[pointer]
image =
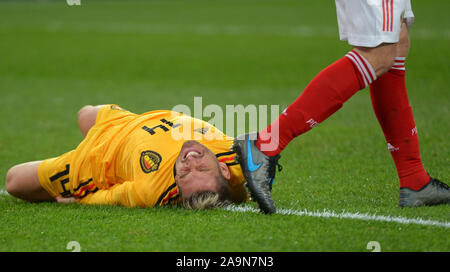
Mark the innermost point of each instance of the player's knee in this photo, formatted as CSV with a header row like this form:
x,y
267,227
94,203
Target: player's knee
x,y
83,113
12,186
386,55
386,62
85,118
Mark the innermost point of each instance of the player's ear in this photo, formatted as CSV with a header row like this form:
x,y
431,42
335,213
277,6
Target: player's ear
x,y
223,168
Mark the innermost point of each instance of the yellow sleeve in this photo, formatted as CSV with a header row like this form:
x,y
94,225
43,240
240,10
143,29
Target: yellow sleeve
x,y
126,194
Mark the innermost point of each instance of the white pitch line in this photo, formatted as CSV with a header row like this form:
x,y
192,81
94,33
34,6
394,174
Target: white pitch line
x,y
332,214
3,192
347,215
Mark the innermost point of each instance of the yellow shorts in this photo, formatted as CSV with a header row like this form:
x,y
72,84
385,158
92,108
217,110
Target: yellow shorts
x,y
54,175
54,178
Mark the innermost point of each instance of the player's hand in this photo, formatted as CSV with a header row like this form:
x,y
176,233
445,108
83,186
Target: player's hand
x,y
65,199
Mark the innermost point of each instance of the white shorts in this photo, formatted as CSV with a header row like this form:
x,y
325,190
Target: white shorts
x,y
369,23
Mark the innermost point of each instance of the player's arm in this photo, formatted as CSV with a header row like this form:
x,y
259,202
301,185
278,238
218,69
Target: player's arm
x,y
128,193
87,116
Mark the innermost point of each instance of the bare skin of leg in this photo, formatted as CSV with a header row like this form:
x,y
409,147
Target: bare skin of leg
x,y
382,57
22,180
404,43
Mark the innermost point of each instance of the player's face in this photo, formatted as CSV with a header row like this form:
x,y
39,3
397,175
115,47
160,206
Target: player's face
x,y
196,169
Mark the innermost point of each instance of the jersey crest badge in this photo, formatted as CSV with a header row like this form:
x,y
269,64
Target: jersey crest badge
x,y
150,161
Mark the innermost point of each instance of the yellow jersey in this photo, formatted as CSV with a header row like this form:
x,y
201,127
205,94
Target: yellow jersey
x,y
128,159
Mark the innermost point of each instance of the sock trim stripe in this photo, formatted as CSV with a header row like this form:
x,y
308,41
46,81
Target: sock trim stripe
x,y
361,64
399,63
368,67
359,68
364,67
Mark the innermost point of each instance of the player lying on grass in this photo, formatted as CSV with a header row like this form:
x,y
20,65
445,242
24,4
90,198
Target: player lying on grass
x,y
378,32
104,169
137,160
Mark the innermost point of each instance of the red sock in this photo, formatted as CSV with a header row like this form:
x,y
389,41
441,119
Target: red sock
x,y
391,106
323,96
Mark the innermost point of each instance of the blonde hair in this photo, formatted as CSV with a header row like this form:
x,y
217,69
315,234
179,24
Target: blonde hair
x,y
204,200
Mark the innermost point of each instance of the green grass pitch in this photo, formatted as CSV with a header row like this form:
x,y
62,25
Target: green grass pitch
x,y
143,55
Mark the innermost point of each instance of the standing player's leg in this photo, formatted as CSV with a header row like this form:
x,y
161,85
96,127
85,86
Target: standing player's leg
x,y
22,181
323,96
393,111
373,55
